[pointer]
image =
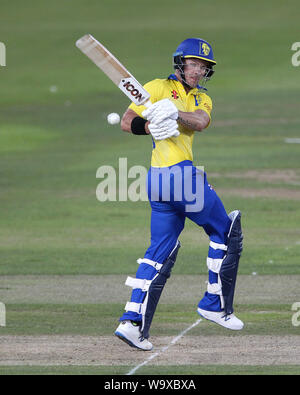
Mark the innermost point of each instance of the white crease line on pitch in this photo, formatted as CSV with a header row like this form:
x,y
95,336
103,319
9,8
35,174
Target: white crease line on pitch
x,y
175,340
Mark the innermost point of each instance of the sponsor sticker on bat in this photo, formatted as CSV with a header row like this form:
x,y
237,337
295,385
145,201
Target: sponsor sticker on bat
x,y
134,90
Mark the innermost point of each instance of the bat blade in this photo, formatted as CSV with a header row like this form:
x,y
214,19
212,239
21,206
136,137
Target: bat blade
x,y
111,66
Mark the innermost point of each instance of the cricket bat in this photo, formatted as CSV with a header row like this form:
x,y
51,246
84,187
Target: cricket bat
x,y
110,65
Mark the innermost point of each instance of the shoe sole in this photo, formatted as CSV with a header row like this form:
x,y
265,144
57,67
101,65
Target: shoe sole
x,y
127,341
217,323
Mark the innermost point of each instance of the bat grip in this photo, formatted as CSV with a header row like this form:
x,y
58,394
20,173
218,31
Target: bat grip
x,y
148,103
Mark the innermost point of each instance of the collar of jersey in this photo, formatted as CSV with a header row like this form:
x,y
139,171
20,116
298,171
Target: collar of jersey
x,y
194,90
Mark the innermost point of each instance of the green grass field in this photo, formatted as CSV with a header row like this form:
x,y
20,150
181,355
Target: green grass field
x,y
64,256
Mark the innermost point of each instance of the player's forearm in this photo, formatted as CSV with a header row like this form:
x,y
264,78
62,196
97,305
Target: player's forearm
x,y
126,122
193,120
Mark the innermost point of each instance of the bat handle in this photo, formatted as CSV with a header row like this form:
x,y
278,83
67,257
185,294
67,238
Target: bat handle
x,y
148,103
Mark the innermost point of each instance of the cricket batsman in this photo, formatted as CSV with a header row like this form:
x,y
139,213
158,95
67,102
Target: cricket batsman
x,y
178,190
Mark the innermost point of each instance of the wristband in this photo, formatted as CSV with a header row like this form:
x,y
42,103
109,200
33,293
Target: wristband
x,y
138,126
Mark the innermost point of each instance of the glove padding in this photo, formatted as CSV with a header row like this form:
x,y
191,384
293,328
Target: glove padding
x,y
166,129
160,111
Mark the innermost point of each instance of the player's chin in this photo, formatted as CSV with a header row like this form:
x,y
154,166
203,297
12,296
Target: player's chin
x,y
193,82
192,85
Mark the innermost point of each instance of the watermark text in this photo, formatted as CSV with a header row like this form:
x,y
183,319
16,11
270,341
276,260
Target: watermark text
x,y
296,56
2,54
184,184
2,314
296,316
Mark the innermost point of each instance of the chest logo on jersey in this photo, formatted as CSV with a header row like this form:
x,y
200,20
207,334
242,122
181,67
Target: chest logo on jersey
x,y
174,94
197,99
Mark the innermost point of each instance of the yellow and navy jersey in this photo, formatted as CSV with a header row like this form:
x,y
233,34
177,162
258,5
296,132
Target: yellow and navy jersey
x,y
173,150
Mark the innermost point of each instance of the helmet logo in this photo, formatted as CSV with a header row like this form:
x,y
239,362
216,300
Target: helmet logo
x,y
205,49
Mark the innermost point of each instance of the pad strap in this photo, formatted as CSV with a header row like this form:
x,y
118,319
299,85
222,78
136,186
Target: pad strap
x,y
134,283
156,265
217,246
215,289
214,264
135,307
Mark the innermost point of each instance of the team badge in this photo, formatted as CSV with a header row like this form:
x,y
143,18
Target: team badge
x,y
197,99
205,49
175,94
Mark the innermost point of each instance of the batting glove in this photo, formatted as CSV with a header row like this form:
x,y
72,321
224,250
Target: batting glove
x,y
164,130
160,111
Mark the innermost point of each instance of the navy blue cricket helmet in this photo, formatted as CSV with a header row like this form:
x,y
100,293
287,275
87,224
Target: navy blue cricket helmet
x,y
194,48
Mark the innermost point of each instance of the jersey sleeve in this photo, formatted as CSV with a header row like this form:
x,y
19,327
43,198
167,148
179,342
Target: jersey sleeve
x,y
206,105
155,89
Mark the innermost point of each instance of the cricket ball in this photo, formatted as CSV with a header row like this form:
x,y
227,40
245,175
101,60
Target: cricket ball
x,y
113,118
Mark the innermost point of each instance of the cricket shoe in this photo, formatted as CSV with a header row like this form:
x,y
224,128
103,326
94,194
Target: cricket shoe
x,y
229,321
130,333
